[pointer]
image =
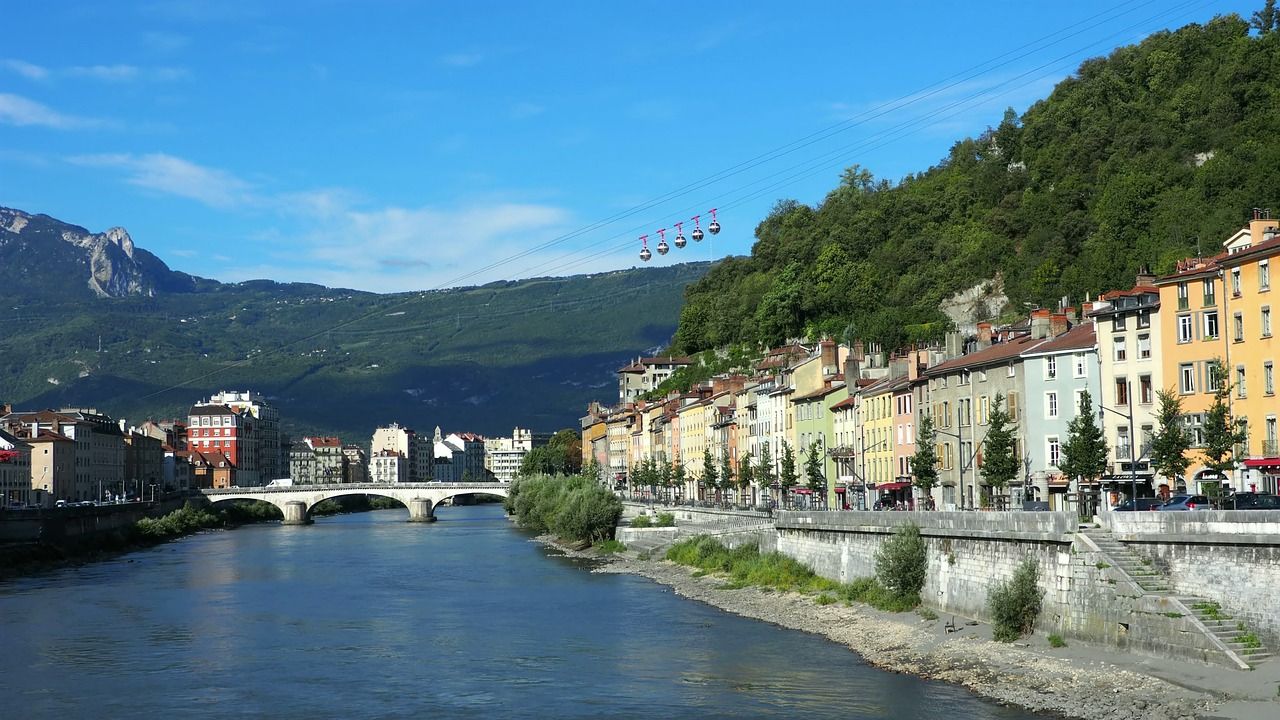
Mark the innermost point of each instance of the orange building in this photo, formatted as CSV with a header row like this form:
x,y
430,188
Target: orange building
x,y
1219,311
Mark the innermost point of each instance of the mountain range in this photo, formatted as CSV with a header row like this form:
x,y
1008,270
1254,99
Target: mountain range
x,y
93,320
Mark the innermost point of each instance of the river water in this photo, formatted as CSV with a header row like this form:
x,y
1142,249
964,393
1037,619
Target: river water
x,y
368,616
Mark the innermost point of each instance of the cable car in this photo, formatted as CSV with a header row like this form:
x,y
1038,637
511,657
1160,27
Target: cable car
x,y
680,240
714,227
644,248
697,230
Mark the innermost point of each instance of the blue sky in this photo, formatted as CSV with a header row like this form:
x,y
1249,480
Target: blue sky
x,y
396,145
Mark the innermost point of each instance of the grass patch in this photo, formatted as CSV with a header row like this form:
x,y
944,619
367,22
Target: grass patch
x,y
825,599
1211,610
746,566
1250,641
927,613
1056,641
869,591
1174,615
1103,565
610,547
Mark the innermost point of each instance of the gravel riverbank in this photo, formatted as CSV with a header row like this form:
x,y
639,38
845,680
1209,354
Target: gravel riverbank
x,y
1070,682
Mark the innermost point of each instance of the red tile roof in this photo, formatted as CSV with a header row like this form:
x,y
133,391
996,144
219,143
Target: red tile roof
x,y
1079,337
997,353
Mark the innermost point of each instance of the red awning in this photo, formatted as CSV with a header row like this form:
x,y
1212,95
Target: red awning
x,y
893,486
840,489
1268,462
804,491
7,455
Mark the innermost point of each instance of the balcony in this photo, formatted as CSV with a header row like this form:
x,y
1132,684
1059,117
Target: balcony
x,y
842,451
1271,448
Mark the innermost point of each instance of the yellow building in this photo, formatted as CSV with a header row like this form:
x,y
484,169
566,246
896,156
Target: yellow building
x,y
1220,312
875,412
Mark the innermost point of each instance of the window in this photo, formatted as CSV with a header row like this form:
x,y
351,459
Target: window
x,y
1266,321
1055,452
1209,293
1187,378
1270,449
1011,372
1240,390
1122,391
1264,276
984,410
1235,282
1184,328
1144,347
1051,405
1211,325
964,377
1144,320
1183,296
1050,367
1120,350
1268,378
982,376
1080,366
1118,323
1124,445
964,408
1215,376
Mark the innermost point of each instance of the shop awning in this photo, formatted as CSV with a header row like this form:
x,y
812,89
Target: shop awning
x,y
1261,463
893,486
803,491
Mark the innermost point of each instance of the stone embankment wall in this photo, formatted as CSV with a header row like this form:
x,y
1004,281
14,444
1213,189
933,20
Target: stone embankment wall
x,y
1230,557
731,527
970,553
73,525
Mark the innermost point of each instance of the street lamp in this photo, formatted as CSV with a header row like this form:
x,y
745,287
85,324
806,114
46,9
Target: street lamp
x,y
1133,436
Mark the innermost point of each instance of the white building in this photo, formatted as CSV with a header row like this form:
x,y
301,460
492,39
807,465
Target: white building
x,y
503,456
387,466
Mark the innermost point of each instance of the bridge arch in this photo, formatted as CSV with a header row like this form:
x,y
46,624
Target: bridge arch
x,y
296,501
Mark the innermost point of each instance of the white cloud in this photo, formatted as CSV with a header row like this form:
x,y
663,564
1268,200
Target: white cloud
x,y
399,249
462,60
522,110
109,73
176,176
20,111
26,69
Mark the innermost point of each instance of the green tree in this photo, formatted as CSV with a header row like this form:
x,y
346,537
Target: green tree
x,y
788,478
999,463
746,474
709,479
1170,441
924,464
678,478
815,472
1221,433
765,474
1084,454
663,475
727,480
1266,19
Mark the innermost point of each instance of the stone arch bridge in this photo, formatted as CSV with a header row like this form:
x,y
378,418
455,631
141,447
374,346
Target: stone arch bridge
x,y
295,501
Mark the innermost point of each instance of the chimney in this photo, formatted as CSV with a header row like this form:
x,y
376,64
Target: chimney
x,y
827,348
1058,324
1262,226
984,335
1145,278
954,345
1072,316
1085,309
853,364
1040,324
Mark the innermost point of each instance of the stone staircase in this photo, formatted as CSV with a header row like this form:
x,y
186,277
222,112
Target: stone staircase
x,y
1229,635
1144,574
1229,631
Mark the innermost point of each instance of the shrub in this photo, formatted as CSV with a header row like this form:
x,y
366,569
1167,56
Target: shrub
x,y
641,521
825,599
610,547
901,564
575,508
183,521
1056,641
665,520
869,591
746,566
1015,604
927,614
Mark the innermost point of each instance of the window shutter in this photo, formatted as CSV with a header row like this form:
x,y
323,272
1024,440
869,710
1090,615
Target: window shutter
x,y
1012,403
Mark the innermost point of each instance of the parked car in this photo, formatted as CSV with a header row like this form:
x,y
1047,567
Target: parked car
x,y
1187,502
1252,501
1147,503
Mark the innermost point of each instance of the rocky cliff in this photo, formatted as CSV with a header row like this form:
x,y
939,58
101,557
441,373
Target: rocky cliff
x,y
40,256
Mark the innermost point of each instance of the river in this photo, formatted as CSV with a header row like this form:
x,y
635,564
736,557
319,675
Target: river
x,y
368,616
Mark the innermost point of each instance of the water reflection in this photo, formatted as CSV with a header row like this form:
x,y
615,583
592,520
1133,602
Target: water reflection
x,y
369,616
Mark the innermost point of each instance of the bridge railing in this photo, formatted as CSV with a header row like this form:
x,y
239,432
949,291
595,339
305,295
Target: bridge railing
x,y
262,489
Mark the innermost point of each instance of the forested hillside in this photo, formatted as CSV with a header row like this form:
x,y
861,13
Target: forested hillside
x,y
1140,158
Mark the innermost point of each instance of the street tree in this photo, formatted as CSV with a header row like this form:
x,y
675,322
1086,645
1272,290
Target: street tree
x,y
709,479
746,474
924,464
1084,454
765,475
815,472
788,478
1170,441
999,463
1222,433
727,480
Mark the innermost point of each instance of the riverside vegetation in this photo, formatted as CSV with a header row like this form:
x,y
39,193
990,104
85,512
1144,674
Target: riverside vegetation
x,y
574,508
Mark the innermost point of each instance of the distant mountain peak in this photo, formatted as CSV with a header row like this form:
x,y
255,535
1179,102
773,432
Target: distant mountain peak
x,y
44,253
